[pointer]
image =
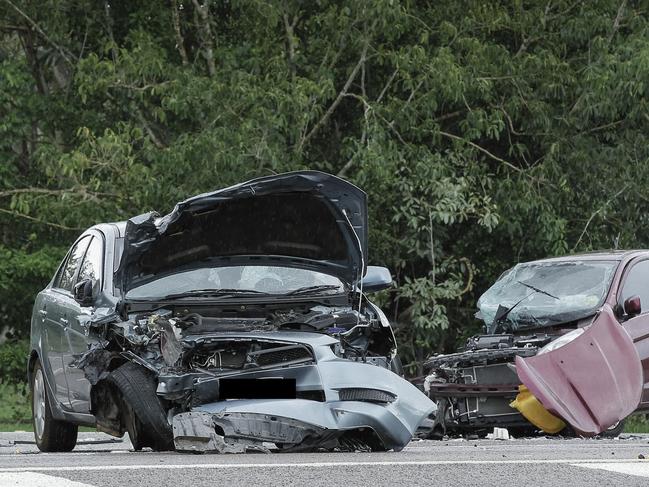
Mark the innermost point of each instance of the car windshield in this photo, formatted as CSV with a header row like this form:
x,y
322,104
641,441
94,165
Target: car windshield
x,y
253,278
547,293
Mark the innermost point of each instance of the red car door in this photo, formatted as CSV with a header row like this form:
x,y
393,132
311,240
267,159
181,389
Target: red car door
x,y
635,283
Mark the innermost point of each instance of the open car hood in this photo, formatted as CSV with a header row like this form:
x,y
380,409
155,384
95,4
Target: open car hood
x,y
305,219
592,382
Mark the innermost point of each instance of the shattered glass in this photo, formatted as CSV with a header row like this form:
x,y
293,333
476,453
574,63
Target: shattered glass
x,y
540,294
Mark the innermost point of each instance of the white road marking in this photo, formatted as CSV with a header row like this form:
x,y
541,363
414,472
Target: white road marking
x,y
639,469
226,466
31,479
419,449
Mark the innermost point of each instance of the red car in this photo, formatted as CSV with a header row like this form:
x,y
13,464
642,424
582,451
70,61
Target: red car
x,y
566,341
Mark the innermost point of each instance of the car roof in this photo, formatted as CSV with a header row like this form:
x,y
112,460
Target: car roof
x,y
119,227
613,255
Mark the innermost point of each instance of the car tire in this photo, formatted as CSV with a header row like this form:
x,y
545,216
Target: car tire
x,y
614,431
142,412
51,435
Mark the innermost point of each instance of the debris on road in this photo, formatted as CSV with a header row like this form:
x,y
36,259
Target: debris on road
x,y
499,434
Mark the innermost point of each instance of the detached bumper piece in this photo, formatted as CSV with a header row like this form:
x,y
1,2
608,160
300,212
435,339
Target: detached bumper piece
x,y
201,432
195,432
240,426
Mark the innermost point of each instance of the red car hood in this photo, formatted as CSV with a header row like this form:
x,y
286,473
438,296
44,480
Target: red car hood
x,y
591,382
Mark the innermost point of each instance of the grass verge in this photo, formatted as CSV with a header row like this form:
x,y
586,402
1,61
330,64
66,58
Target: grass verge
x,y
14,404
637,423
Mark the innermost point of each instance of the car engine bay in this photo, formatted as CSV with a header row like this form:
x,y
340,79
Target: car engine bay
x,y
474,387
202,353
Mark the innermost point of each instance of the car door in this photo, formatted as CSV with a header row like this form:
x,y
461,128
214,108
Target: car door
x,y
51,308
75,318
635,282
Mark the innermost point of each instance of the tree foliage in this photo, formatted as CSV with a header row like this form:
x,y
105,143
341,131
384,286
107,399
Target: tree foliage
x,y
485,133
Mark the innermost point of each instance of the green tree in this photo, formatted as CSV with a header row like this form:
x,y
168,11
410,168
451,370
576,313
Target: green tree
x,y
485,133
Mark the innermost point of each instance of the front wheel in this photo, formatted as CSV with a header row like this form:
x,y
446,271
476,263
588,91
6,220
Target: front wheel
x,y
51,435
614,430
142,412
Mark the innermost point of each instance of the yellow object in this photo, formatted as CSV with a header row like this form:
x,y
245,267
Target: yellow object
x,y
532,409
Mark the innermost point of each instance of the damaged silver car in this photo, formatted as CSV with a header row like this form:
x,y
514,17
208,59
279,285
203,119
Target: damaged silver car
x,y
237,322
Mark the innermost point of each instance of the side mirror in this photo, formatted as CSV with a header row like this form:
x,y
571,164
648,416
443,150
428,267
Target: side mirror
x,y
632,306
376,279
84,292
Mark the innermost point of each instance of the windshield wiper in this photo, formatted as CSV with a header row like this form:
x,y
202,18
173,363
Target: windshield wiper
x,y
538,290
208,293
503,311
501,315
312,289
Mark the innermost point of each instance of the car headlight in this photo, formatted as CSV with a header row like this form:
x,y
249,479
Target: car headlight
x,y
562,340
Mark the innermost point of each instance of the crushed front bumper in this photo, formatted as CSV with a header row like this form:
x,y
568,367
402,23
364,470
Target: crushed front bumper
x,y
290,424
365,407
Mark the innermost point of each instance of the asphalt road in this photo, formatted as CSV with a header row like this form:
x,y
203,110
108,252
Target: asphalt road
x,y
100,460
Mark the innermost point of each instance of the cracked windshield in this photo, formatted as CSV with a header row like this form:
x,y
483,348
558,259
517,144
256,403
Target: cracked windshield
x,y
542,294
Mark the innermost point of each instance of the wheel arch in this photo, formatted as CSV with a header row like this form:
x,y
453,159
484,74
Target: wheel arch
x,y
105,401
31,363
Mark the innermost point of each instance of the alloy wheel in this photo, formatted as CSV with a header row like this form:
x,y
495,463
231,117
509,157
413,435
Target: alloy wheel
x,y
39,403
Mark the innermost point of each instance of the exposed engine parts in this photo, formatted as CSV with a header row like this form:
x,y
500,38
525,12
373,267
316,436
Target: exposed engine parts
x,y
176,341
474,387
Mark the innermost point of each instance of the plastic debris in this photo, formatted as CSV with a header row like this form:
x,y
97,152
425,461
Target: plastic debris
x,y
499,434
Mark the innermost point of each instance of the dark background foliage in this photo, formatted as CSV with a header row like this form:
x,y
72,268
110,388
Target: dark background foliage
x,y
485,133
